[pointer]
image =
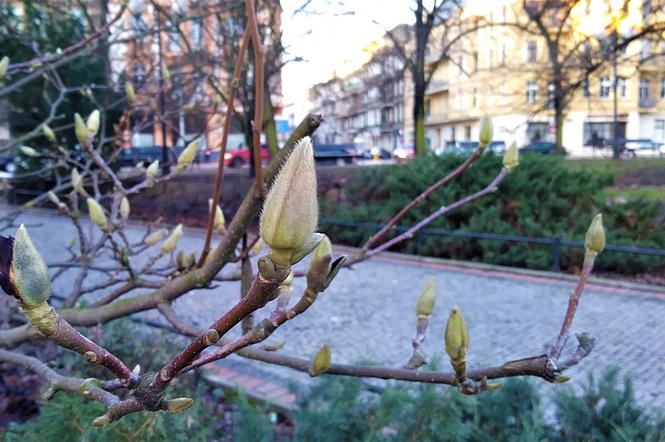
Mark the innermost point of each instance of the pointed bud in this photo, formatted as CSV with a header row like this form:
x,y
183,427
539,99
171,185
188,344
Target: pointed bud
x,y
77,182
291,210
172,241
4,65
155,237
53,198
28,151
136,370
486,131
97,214
93,123
187,156
166,73
124,208
81,131
219,217
129,92
561,379
492,387
23,273
319,265
321,361
191,260
152,169
426,300
595,235
456,336
510,158
181,260
101,421
179,404
49,134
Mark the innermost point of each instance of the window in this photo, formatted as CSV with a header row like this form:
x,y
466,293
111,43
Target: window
x,y
605,85
644,88
662,88
174,40
467,132
475,97
585,88
659,130
531,91
621,86
646,49
138,25
196,32
531,51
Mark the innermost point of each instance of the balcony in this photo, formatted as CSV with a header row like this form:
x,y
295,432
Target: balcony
x,y
647,102
437,118
436,86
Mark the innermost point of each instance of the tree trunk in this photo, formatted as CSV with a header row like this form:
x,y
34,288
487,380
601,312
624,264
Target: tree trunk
x,y
269,126
419,125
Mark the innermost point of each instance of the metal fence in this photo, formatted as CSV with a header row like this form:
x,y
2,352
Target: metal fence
x,y
557,243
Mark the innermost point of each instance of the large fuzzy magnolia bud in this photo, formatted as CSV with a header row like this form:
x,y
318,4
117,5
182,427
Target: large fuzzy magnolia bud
x,y
48,133
220,222
4,64
291,210
92,123
186,158
426,300
156,236
23,273
172,241
152,169
321,361
595,235
129,92
81,130
97,214
124,208
511,157
486,131
456,337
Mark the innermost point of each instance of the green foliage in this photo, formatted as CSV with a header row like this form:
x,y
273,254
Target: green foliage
x,y
251,423
543,197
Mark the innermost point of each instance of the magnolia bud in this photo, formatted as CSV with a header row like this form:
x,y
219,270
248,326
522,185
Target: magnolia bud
x,y
179,404
319,265
426,300
219,216
4,64
191,259
81,131
321,361
152,169
129,92
486,131
456,337
181,260
97,214
595,235
53,197
28,151
291,210
166,73
93,122
101,421
155,237
187,156
510,158
172,241
561,379
48,133
124,208
23,273
77,181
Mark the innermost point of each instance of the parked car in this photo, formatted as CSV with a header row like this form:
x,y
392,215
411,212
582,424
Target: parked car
x,y
378,153
241,156
145,155
336,153
542,147
643,147
404,153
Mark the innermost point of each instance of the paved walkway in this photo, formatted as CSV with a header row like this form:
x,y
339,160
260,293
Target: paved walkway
x,y
368,315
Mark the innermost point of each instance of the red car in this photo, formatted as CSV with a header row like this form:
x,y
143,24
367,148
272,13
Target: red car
x,y
241,157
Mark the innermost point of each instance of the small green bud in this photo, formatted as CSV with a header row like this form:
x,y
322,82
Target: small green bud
x,y
48,133
320,266
220,222
129,92
124,208
595,235
492,387
291,211
561,379
191,260
53,198
28,151
426,300
172,241
187,156
321,361
486,131
181,260
81,131
77,182
92,123
152,169
166,73
510,158
4,65
97,214
101,421
155,237
456,337
179,404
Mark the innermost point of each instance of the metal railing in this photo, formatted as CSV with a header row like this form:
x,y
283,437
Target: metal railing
x,y
557,243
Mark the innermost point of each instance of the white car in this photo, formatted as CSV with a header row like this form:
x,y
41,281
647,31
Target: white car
x,y
644,148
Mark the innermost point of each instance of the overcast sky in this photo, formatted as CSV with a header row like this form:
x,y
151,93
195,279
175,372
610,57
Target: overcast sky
x,y
331,41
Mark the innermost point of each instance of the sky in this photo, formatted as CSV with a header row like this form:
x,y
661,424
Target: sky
x,y
330,41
